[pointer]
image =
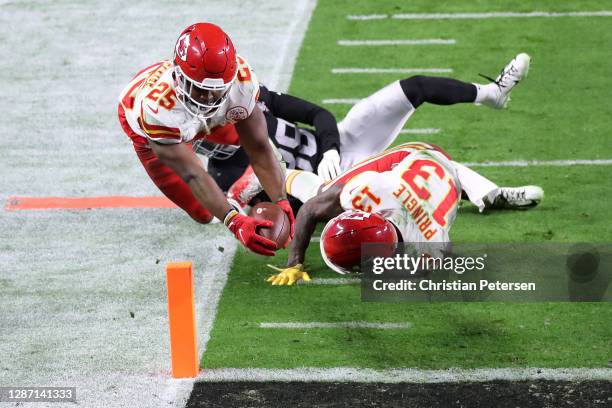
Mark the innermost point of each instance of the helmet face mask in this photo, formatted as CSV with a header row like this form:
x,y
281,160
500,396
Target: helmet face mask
x,y
204,69
213,150
201,100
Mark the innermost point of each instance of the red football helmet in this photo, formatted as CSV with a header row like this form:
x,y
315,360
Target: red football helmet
x,y
205,68
343,235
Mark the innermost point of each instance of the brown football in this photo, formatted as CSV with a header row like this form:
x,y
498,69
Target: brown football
x,y
279,232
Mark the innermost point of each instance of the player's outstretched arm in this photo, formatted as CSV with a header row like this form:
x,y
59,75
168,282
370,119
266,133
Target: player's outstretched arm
x,y
322,207
181,158
253,133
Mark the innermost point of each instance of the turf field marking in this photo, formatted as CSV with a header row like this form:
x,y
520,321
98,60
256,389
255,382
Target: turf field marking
x,y
424,131
529,163
456,16
507,14
288,51
391,70
425,41
335,325
368,17
83,203
332,281
410,375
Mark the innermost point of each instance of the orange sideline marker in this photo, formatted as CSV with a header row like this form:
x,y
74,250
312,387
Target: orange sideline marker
x,y
181,316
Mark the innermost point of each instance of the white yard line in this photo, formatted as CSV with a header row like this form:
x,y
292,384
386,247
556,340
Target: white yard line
x,y
424,41
335,325
177,390
332,281
507,14
410,375
391,70
487,15
529,163
368,17
417,131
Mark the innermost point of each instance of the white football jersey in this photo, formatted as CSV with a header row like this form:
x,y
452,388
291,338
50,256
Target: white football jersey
x,y
419,195
153,111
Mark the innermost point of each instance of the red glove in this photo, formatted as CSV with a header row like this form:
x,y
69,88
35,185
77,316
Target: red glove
x,y
245,230
284,204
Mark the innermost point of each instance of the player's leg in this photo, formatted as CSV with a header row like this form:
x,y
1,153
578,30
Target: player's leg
x,y
485,194
475,186
172,185
302,185
374,122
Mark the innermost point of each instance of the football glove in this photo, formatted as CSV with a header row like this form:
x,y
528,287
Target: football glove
x,y
284,204
245,230
288,276
329,166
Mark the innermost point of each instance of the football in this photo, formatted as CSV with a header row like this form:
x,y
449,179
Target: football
x,y
279,232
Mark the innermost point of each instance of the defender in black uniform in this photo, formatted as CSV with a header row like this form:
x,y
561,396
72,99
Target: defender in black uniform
x,y
301,148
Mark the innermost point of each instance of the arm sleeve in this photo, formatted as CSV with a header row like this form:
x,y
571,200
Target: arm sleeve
x,y
294,109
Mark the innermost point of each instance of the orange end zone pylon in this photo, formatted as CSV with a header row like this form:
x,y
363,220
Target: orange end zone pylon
x,y
181,316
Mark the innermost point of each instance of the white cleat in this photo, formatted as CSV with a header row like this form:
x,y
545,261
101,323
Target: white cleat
x,y
514,198
509,77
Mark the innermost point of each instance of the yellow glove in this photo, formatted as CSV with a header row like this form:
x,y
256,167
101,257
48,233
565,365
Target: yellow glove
x,y
288,276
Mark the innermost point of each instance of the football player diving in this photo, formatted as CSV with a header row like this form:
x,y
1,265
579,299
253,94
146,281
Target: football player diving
x,y
206,91
409,193
369,127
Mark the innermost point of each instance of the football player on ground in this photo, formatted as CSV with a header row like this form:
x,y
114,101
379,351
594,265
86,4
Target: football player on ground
x,y
369,127
206,92
415,187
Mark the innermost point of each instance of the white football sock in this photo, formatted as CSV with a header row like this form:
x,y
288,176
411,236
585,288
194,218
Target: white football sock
x,y
303,185
485,93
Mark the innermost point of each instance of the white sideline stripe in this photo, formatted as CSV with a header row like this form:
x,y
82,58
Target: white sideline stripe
x,y
425,41
335,325
401,375
332,281
527,163
176,391
506,14
315,239
340,101
391,70
423,131
287,55
367,17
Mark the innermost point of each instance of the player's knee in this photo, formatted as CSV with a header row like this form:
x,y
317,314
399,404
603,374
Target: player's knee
x,y
414,89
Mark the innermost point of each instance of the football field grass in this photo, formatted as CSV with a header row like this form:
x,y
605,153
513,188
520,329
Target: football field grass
x,y
561,112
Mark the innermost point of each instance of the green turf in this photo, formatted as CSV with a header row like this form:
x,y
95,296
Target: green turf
x,y
561,111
